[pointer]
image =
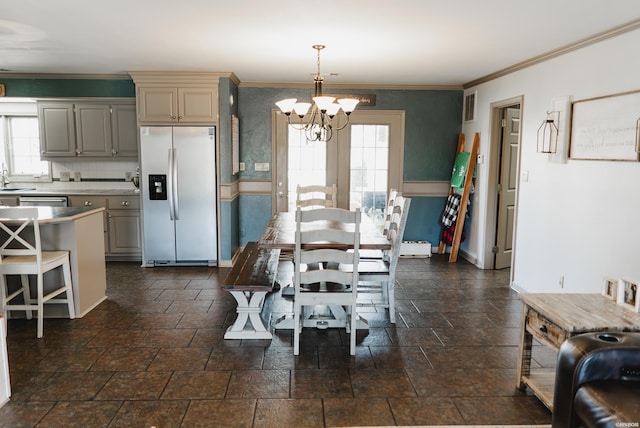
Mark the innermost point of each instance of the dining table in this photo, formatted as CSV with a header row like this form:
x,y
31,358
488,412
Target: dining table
x,y
280,234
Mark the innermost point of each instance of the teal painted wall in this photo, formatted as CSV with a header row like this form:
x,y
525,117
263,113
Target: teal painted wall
x,y
432,126
255,213
68,87
229,232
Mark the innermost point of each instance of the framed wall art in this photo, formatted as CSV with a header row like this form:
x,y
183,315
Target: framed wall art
x,y
610,289
606,128
629,295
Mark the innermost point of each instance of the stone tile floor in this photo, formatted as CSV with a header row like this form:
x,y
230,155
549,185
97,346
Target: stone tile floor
x,y
153,354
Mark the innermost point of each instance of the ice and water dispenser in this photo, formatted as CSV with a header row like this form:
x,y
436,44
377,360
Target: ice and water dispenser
x,y
158,187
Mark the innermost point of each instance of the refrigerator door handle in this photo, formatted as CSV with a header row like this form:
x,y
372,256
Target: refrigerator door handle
x,y
170,174
174,185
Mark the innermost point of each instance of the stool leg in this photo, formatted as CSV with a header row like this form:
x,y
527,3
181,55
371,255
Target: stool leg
x,y
3,296
40,305
66,270
26,294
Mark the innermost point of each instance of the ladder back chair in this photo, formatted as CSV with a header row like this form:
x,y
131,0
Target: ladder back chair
x,y
316,196
333,232
21,255
379,275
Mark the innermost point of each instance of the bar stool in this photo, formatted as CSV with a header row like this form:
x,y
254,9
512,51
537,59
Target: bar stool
x,y
21,254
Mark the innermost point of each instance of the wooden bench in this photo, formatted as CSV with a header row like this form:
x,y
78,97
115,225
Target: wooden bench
x,y
251,278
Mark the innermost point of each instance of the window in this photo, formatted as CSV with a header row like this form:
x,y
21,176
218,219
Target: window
x,y
307,163
369,168
20,144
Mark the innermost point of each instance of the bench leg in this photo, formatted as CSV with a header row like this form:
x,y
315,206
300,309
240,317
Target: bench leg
x,y
249,309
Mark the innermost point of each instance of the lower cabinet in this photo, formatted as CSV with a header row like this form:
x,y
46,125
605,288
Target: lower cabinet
x,y
7,201
122,228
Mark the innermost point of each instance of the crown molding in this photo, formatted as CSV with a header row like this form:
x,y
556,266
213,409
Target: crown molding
x,y
349,86
11,75
582,43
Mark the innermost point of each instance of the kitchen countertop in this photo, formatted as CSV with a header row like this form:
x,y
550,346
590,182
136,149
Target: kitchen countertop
x,y
67,192
60,214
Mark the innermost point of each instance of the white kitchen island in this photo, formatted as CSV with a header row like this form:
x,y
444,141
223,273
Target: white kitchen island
x,y
81,232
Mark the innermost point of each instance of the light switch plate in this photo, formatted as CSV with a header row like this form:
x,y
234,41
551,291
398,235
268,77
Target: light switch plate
x,y
261,166
127,176
77,176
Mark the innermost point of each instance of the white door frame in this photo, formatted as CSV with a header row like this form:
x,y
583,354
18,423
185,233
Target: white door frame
x,y
493,179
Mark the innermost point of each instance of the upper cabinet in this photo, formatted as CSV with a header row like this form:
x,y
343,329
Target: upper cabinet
x,y
159,105
174,98
87,129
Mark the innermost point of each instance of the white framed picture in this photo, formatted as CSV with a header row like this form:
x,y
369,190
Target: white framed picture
x,y
610,288
628,295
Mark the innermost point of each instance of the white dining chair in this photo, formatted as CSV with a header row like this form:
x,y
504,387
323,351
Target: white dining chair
x,y
388,211
378,276
316,196
21,254
327,284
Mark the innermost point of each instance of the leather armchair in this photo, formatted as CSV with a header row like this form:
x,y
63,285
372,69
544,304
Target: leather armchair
x,y
598,381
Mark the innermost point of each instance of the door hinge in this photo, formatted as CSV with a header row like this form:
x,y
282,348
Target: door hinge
x,y
499,187
495,250
504,123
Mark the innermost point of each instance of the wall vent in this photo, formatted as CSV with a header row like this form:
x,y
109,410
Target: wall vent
x,y
470,106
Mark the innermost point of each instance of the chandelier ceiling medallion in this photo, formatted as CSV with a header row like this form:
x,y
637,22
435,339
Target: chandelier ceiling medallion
x,y
317,119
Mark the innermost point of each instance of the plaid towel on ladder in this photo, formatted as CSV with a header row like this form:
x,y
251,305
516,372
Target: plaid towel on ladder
x,y
451,210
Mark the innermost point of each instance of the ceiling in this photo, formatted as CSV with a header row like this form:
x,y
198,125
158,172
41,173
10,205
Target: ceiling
x,y
376,42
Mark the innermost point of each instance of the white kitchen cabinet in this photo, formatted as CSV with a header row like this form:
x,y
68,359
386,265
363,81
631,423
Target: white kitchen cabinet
x,y
57,129
124,226
87,129
171,105
93,130
8,201
124,130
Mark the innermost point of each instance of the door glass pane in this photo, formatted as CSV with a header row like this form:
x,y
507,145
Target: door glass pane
x,y
369,169
307,163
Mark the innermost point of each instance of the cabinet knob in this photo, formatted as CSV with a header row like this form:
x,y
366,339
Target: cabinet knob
x,y
125,203
543,329
78,151
179,117
114,151
173,117
87,204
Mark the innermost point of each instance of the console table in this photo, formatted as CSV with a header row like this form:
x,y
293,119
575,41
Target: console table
x,y
551,319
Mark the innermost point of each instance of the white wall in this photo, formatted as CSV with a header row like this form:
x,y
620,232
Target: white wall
x,y
577,219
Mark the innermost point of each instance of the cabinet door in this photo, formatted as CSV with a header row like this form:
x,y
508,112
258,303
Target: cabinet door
x,y
124,232
157,105
57,129
93,130
197,105
124,131
8,202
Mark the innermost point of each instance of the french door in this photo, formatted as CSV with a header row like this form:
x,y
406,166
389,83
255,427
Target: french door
x,y
364,160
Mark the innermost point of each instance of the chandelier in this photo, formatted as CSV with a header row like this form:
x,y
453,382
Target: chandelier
x,y
317,119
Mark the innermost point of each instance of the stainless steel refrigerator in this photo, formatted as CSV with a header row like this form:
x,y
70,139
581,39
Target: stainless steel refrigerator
x,y
178,182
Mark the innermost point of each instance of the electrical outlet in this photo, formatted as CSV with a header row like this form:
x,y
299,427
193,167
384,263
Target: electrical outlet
x,y
65,175
77,176
127,176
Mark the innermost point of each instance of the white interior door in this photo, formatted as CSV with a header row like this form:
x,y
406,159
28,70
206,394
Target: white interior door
x,y
508,180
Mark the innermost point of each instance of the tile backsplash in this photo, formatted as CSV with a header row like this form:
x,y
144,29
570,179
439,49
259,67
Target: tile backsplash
x,y
94,174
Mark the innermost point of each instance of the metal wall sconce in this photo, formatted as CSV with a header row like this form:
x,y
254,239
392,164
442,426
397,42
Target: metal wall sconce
x,y
548,133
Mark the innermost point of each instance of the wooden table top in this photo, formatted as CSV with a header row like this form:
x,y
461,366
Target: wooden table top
x,y
582,313
281,230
